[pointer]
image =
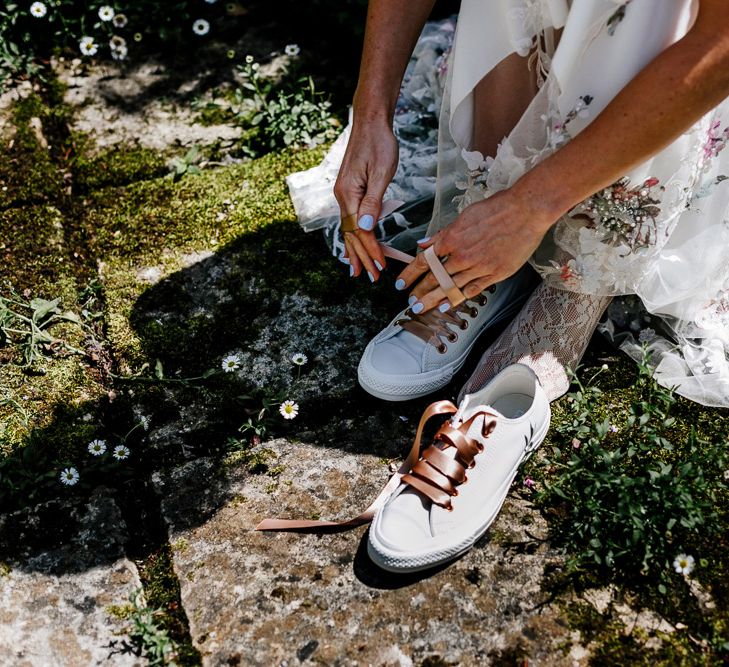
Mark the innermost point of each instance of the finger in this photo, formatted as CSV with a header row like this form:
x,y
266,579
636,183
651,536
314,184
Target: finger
x,y
412,272
429,282
466,281
355,266
475,287
373,248
364,258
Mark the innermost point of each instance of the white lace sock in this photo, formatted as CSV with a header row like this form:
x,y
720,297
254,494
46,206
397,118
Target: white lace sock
x,y
550,334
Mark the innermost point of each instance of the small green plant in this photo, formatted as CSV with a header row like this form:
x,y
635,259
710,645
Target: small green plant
x,y
146,632
628,498
278,108
27,325
186,165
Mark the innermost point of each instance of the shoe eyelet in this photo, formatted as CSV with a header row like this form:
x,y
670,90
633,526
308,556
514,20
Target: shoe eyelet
x,y
449,508
465,479
452,337
482,300
474,312
442,348
471,465
463,325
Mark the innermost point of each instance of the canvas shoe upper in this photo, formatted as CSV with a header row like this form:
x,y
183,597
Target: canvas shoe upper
x,y
498,428
416,355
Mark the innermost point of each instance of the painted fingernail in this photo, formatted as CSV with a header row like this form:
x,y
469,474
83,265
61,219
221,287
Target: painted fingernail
x,y
399,284
351,271
424,239
378,265
412,300
417,307
366,222
371,277
344,260
444,307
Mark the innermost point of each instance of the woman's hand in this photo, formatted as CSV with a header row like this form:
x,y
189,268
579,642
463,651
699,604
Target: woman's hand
x,y
367,169
490,241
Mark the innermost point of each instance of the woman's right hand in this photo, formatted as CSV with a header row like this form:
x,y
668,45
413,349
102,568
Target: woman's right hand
x,y
369,164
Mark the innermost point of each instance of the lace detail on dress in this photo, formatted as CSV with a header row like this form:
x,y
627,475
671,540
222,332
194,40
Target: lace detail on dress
x,y
549,335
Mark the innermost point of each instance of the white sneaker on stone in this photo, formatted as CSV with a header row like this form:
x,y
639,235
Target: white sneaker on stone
x,y
416,355
434,517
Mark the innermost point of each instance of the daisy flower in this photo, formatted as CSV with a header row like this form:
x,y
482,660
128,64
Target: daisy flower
x,y
119,20
144,421
97,447
299,359
120,53
249,59
69,476
38,9
289,409
231,363
121,452
88,46
292,50
201,27
684,564
138,37
117,42
106,13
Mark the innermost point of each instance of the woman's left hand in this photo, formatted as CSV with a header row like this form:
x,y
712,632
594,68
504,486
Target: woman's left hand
x,y
488,242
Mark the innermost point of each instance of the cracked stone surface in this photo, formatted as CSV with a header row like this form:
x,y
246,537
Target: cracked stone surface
x,y
282,598
54,597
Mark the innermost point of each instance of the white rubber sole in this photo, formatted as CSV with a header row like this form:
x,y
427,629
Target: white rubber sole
x,y
409,387
397,561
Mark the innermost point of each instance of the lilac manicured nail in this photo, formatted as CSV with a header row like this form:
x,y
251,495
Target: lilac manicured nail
x,y
351,271
417,307
344,260
412,300
424,240
444,307
371,277
378,265
399,284
366,222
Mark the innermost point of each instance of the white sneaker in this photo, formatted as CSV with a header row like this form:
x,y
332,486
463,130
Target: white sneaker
x,y
416,355
433,517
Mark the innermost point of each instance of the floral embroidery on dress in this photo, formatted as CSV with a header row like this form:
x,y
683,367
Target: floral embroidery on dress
x,y
558,132
626,215
715,141
474,187
617,17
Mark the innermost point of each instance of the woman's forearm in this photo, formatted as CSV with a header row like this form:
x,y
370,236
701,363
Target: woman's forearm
x,y
675,90
392,30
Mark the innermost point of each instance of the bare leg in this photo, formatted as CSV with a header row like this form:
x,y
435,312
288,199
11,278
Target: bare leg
x,y
499,101
549,335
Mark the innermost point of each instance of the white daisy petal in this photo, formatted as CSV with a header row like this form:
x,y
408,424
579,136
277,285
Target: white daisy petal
x,y
292,50
231,363
69,476
299,359
684,564
88,46
97,447
106,13
201,27
289,409
38,9
121,452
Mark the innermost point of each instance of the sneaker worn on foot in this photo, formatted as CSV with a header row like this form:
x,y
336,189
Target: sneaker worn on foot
x,y
416,355
455,491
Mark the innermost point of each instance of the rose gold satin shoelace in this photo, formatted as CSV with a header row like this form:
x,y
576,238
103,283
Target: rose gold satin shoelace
x,y
433,474
433,327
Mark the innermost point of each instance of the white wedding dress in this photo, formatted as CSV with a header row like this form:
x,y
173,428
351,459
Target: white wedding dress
x,y
657,238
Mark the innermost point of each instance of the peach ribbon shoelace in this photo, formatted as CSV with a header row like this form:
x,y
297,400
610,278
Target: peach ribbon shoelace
x,y
433,474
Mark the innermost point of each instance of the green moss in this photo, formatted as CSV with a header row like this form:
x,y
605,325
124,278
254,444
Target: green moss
x,y
27,170
162,591
115,166
5,569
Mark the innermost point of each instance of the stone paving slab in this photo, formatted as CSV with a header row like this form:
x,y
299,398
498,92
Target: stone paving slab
x,y
54,600
278,598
